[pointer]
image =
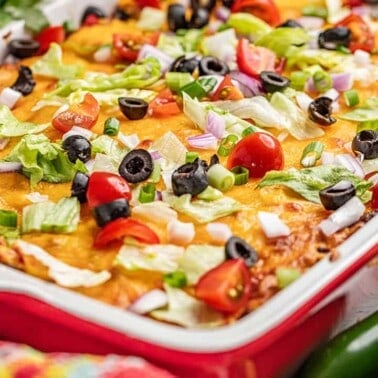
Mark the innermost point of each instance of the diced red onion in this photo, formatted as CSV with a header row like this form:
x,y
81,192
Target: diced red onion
x,y
350,163
150,301
3,143
342,81
215,124
203,141
309,22
222,13
335,106
362,58
155,155
219,231
344,216
303,100
159,195
248,85
272,225
361,10
152,51
37,197
9,97
103,54
77,130
130,141
9,166
180,232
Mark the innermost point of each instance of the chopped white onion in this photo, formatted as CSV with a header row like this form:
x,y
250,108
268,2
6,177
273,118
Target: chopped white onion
x,y
89,165
130,141
203,141
310,22
362,58
351,163
37,197
218,231
180,232
332,93
328,158
9,97
150,301
103,54
335,106
272,225
157,211
152,51
215,124
303,100
9,166
3,143
344,216
283,135
77,130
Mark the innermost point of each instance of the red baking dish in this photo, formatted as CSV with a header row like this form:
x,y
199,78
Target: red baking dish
x,y
269,342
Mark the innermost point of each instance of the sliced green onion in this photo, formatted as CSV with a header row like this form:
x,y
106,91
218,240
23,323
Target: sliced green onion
x,y
191,156
314,11
156,173
298,80
194,90
210,194
147,193
208,83
247,131
9,233
342,49
175,279
368,125
285,276
351,97
69,27
111,126
227,144
241,175
220,177
177,80
322,81
8,218
311,154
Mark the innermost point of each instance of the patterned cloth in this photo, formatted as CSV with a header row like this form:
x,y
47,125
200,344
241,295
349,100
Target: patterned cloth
x,y
21,361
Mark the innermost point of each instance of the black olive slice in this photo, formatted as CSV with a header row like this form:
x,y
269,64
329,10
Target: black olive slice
x,y
190,178
133,108
366,143
181,64
136,166
23,48
239,248
121,14
273,81
110,211
336,195
92,10
332,38
228,3
209,65
320,111
79,186
199,19
290,23
176,17
77,147
25,82
214,160
204,4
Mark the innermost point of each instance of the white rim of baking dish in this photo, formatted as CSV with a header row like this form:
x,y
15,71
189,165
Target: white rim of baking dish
x,y
214,340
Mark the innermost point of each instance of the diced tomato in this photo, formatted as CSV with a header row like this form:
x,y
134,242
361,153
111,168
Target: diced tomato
x,y
374,200
362,35
116,230
49,35
163,105
259,153
227,91
253,59
148,3
227,287
105,187
267,10
127,45
91,20
84,115
352,3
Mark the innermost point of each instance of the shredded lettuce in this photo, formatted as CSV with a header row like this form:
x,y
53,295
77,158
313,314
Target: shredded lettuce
x,y
137,75
10,126
202,211
198,259
171,45
366,112
151,19
51,65
170,148
309,181
187,311
280,40
104,144
191,39
42,160
62,217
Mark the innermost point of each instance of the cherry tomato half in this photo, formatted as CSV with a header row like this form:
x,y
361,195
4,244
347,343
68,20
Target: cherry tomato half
x,y
115,230
227,287
227,91
253,59
127,45
49,35
374,199
265,9
84,115
105,187
163,105
259,153
362,35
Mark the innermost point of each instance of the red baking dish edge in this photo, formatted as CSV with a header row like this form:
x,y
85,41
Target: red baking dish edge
x,y
24,318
